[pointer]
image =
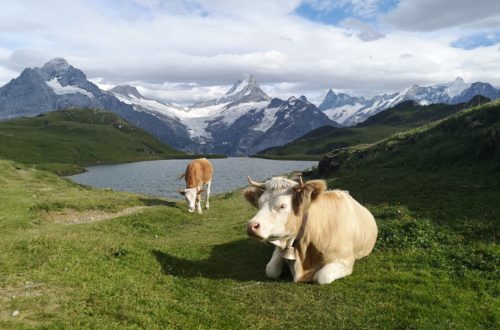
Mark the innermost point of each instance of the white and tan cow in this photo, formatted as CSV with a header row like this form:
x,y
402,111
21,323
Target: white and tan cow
x,y
198,173
318,233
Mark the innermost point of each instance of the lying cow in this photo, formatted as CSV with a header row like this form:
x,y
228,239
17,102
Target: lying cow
x,y
318,233
198,173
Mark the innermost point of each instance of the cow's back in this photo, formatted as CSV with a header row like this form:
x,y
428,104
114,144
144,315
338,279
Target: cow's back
x,y
340,226
198,171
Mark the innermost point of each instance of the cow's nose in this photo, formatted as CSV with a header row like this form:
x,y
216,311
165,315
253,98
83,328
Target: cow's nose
x,y
252,227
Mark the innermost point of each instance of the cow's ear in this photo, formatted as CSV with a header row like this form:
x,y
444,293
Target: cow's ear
x,y
200,191
311,189
252,195
306,193
182,192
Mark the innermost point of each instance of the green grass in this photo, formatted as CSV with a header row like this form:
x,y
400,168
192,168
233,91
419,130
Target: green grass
x,y
435,264
165,268
64,141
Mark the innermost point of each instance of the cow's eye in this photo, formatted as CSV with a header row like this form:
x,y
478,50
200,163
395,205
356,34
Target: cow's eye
x,y
282,206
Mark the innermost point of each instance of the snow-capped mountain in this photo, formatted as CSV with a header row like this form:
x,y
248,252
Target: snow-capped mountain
x,y
243,121
58,85
243,91
349,111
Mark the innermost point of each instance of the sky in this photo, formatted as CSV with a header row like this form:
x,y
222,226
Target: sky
x,y
183,51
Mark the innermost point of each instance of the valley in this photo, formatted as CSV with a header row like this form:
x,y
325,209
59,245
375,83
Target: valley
x,y
433,191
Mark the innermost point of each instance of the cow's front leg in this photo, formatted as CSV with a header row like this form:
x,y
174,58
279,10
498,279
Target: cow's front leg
x,y
275,266
296,269
333,271
198,206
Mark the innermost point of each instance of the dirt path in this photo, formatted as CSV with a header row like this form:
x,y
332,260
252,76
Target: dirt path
x,y
76,217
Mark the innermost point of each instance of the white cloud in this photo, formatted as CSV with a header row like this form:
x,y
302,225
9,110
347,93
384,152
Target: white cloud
x,y
182,55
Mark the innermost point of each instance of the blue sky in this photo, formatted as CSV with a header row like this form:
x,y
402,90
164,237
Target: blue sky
x,y
483,39
184,51
334,12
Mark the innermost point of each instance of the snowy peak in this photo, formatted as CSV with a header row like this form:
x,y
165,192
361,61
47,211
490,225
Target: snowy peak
x,y
340,107
333,100
56,65
456,87
243,91
248,82
126,90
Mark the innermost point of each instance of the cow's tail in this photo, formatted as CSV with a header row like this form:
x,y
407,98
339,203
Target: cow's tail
x,y
181,176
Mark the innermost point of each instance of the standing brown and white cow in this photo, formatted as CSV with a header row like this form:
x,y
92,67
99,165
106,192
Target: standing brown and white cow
x,y
198,172
318,233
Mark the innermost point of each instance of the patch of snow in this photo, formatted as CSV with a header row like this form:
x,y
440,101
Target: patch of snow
x,y
268,120
61,90
242,84
341,114
151,105
456,87
232,113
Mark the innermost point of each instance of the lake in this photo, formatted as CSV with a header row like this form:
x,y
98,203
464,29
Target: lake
x,y
159,177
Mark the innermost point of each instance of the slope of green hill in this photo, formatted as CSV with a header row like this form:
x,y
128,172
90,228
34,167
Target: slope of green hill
x,y
451,166
64,140
402,117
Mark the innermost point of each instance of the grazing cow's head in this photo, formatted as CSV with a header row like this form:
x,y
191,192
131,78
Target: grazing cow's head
x,y
281,203
192,196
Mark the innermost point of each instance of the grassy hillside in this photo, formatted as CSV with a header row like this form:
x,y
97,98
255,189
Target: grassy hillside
x,y
61,139
76,257
402,117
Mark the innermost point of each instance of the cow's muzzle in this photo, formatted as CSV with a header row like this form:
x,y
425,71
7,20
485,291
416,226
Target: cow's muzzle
x,y
253,228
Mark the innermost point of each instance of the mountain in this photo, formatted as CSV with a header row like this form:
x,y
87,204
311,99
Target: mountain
x,y
243,121
243,91
403,116
349,111
273,124
58,85
167,125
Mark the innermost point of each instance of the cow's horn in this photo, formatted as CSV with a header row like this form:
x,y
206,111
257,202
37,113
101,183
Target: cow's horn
x,y
301,182
260,185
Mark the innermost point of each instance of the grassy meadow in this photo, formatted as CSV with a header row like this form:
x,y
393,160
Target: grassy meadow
x,y
78,257
65,141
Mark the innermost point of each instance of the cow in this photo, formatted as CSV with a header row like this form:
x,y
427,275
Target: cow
x,y
317,233
198,172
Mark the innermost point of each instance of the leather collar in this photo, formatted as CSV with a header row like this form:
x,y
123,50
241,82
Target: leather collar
x,y
302,229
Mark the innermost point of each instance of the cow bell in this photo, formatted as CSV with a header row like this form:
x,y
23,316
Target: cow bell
x,y
288,253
